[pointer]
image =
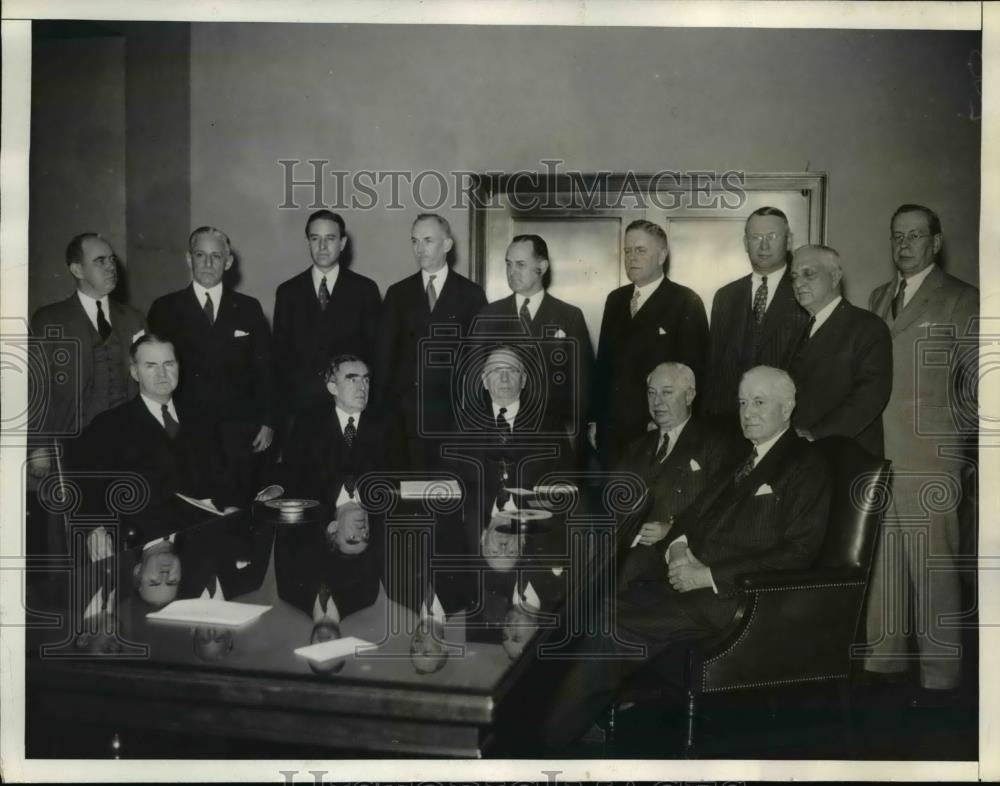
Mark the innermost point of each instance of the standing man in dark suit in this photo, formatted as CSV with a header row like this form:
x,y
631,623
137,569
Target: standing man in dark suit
x,y
152,436
102,329
532,311
224,346
843,365
648,322
755,319
324,311
435,296
922,430
770,514
678,461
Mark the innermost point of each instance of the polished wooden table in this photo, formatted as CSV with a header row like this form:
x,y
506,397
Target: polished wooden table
x,y
247,684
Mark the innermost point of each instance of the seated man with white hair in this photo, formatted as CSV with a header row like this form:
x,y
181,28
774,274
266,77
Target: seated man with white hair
x,y
770,514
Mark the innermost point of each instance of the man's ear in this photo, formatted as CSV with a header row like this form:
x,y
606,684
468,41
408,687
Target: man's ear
x,y
77,270
789,240
543,267
229,262
331,386
689,395
190,261
448,243
133,372
937,242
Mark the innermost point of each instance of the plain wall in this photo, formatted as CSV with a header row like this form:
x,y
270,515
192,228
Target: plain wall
x,y
77,159
886,114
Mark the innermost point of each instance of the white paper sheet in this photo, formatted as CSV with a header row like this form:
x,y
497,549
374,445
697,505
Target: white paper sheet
x,y
336,648
207,611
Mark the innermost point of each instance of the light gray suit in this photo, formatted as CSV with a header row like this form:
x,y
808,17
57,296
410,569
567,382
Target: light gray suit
x,y
932,403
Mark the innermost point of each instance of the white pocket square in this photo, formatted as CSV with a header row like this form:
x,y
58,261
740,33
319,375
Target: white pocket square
x,y
240,333
661,331
763,491
695,466
241,564
560,333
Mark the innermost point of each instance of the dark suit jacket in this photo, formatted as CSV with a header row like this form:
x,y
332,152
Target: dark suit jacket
x,y
670,326
406,319
500,319
693,465
307,338
129,439
727,356
62,415
316,460
223,375
843,377
227,551
745,528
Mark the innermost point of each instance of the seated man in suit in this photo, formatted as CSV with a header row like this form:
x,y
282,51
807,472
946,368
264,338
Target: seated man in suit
x,y
530,311
152,437
335,442
520,442
224,344
678,460
843,365
770,514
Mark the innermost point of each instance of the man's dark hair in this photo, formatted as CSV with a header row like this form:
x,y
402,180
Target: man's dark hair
x,y
327,215
146,338
337,362
933,222
767,211
74,249
539,248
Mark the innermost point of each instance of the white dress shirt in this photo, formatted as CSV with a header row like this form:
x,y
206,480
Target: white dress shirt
x,y
912,284
823,315
534,301
90,306
510,413
773,279
215,293
439,278
644,292
156,409
331,278
671,435
343,417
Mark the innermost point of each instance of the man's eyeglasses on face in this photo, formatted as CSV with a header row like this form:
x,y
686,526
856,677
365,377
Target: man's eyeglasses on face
x,y
910,237
770,237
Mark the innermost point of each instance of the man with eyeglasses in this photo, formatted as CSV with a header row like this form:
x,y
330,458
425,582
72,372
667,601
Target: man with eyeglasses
x,y
922,429
755,319
843,364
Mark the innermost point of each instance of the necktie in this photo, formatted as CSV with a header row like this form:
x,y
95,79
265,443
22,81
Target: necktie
x,y
503,427
432,295
524,314
663,452
811,326
170,425
350,432
103,326
209,309
633,304
897,302
760,301
324,294
746,467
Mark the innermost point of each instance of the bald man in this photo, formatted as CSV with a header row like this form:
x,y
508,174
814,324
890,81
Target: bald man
x,y
842,367
770,514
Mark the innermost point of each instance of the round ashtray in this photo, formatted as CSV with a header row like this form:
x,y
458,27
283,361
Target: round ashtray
x,y
291,509
523,520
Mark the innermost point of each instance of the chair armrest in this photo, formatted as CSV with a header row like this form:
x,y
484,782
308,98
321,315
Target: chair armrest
x,y
790,579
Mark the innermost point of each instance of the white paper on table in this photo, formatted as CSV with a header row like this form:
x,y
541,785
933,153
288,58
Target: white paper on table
x,y
440,488
204,504
556,488
208,611
335,648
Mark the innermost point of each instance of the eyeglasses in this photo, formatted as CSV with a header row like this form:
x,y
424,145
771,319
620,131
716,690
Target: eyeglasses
x,y
910,237
770,236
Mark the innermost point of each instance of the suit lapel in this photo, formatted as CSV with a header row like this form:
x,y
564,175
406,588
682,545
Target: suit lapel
x,y
782,306
225,316
655,304
77,316
819,347
919,303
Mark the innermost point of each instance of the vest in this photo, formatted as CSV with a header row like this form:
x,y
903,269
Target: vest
x,y
109,386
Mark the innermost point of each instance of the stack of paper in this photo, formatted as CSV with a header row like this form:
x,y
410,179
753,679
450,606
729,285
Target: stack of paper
x,y
335,648
440,488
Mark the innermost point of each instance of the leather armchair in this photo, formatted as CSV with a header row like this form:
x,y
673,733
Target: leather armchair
x,y
799,626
